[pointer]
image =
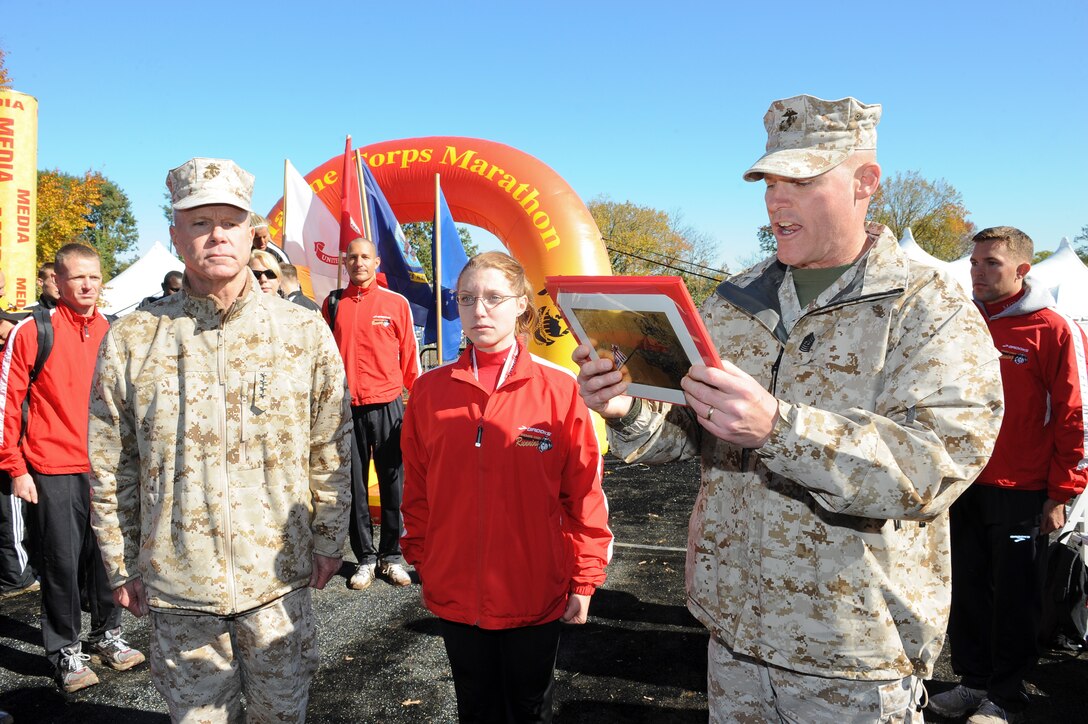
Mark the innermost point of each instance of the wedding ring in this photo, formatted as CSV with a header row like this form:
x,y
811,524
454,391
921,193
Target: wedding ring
x,y
709,413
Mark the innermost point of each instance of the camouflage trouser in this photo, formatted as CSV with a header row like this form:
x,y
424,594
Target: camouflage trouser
x,y
744,691
202,664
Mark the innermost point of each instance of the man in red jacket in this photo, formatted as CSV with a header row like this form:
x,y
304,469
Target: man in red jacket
x,y
50,470
373,329
1000,525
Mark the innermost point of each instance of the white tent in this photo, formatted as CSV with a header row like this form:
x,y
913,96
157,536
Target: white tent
x,y
143,279
920,255
1065,275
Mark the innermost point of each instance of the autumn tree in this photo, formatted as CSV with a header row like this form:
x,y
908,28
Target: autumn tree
x,y
645,241
113,228
65,204
5,76
418,235
932,210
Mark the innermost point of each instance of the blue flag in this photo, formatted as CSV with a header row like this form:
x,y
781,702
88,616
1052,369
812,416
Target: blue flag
x,y
402,269
453,261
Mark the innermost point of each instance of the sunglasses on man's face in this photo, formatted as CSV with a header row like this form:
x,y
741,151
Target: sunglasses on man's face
x,y
264,274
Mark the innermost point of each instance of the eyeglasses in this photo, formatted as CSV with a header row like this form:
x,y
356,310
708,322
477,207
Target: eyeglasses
x,y
490,301
264,274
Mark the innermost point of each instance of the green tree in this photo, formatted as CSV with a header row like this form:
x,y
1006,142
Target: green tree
x,y
1080,244
1041,255
932,210
645,241
767,243
418,235
112,229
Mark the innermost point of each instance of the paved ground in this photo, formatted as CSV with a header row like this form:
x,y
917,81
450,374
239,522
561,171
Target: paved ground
x,y
642,658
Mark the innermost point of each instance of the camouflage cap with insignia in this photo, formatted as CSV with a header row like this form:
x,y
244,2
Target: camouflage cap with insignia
x,y
203,181
808,136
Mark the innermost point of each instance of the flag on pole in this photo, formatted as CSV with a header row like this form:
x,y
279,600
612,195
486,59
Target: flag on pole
x,y
403,272
351,211
310,232
448,258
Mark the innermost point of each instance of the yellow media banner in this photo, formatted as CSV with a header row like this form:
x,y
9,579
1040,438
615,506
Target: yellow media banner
x,y
18,196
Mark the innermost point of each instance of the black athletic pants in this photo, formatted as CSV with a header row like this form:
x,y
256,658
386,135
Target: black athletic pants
x,y
506,675
15,569
998,572
70,557
377,435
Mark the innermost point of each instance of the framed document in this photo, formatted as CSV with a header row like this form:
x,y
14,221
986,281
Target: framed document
x,y
648,326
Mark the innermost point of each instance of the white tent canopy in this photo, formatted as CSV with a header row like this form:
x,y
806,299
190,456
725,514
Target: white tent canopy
x,y
143,279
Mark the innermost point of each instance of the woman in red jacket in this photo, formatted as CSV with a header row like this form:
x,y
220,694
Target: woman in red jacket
x,y
504,517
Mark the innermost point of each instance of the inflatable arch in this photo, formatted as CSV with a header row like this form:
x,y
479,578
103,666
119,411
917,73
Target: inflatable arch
x,y
516,197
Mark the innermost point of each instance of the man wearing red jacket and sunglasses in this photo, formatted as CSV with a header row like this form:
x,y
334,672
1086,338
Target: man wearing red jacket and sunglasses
x,y
1000,526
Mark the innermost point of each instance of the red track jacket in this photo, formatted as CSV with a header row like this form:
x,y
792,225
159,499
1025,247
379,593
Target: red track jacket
x,y
504,514
56,431
1043,443
377,343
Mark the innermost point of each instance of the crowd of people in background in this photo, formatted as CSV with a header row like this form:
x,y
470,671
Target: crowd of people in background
x,y
883,460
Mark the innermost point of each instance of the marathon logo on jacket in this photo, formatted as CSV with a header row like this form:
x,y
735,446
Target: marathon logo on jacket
x,y
1018,355
534,437
380,320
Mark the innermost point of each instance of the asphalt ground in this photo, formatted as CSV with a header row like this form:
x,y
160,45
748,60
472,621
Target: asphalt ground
x,y
641,657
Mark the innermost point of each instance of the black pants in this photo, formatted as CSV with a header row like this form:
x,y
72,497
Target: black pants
x,y
502,676
15,569
70,559
377,434
998,572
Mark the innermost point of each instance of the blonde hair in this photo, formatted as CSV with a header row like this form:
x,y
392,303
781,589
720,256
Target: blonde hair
x,y
514,272
268,260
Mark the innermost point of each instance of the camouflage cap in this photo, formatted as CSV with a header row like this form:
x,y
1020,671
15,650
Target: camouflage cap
x,y
807,136
203,181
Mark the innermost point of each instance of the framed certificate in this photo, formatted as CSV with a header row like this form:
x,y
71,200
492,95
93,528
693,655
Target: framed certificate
x,y
648,326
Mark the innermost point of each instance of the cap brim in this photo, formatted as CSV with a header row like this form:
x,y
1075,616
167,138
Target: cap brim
x,y
194,200
795,163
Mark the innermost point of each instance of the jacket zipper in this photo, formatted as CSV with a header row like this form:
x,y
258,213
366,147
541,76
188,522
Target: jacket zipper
x,y
221,361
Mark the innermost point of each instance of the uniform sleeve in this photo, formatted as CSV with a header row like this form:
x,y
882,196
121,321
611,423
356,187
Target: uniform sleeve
x,y
414,505
1068,389
330,448
19,354
655,432
586,510
115,466
409,351
928,436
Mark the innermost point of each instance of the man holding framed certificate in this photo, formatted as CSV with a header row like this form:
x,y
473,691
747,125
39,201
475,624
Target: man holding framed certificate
x,y
858,396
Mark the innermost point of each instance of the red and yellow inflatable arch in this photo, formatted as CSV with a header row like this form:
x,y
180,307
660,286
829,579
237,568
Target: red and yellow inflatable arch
x,y
519,199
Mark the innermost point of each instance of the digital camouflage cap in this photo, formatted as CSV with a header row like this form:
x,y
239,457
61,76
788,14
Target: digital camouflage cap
x,y
808,136
203,181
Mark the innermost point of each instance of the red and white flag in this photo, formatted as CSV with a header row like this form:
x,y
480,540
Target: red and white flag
x,y
310,232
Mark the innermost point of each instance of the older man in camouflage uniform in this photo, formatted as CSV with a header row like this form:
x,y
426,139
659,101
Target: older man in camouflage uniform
x,y
219,442
859,395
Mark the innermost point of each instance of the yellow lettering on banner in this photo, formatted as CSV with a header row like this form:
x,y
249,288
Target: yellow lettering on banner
x,y
451,157
327,180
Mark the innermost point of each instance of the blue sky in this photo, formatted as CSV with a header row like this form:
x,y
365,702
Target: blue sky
x,y
659,104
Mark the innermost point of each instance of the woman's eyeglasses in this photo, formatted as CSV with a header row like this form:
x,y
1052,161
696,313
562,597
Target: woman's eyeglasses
x,y
490,301
264,274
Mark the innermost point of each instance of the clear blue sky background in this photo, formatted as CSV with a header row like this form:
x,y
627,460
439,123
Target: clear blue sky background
x,y
657,103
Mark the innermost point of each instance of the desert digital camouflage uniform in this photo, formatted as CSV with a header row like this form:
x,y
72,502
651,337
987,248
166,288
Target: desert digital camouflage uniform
x,y
826,551
220,449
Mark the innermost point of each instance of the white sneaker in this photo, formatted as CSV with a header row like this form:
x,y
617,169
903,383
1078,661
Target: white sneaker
x,y
956,702
991,713
114,652
362,578
73,673
395,574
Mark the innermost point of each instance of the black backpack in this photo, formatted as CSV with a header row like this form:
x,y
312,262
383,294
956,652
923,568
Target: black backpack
x,y
1065,596
331,304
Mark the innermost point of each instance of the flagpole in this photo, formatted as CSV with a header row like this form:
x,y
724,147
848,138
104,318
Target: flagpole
x,y
436,263
283,226
368,229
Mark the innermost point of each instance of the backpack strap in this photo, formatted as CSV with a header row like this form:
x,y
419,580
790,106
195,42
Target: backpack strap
x,y
43,320
332,303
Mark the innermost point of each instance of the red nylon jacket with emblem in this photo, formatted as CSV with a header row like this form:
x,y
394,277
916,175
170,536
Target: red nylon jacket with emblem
x,y
1043,443
502,532
377,342
56,428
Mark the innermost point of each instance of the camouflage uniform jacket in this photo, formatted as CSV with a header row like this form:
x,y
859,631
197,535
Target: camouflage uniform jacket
x,y
219,443
826,551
